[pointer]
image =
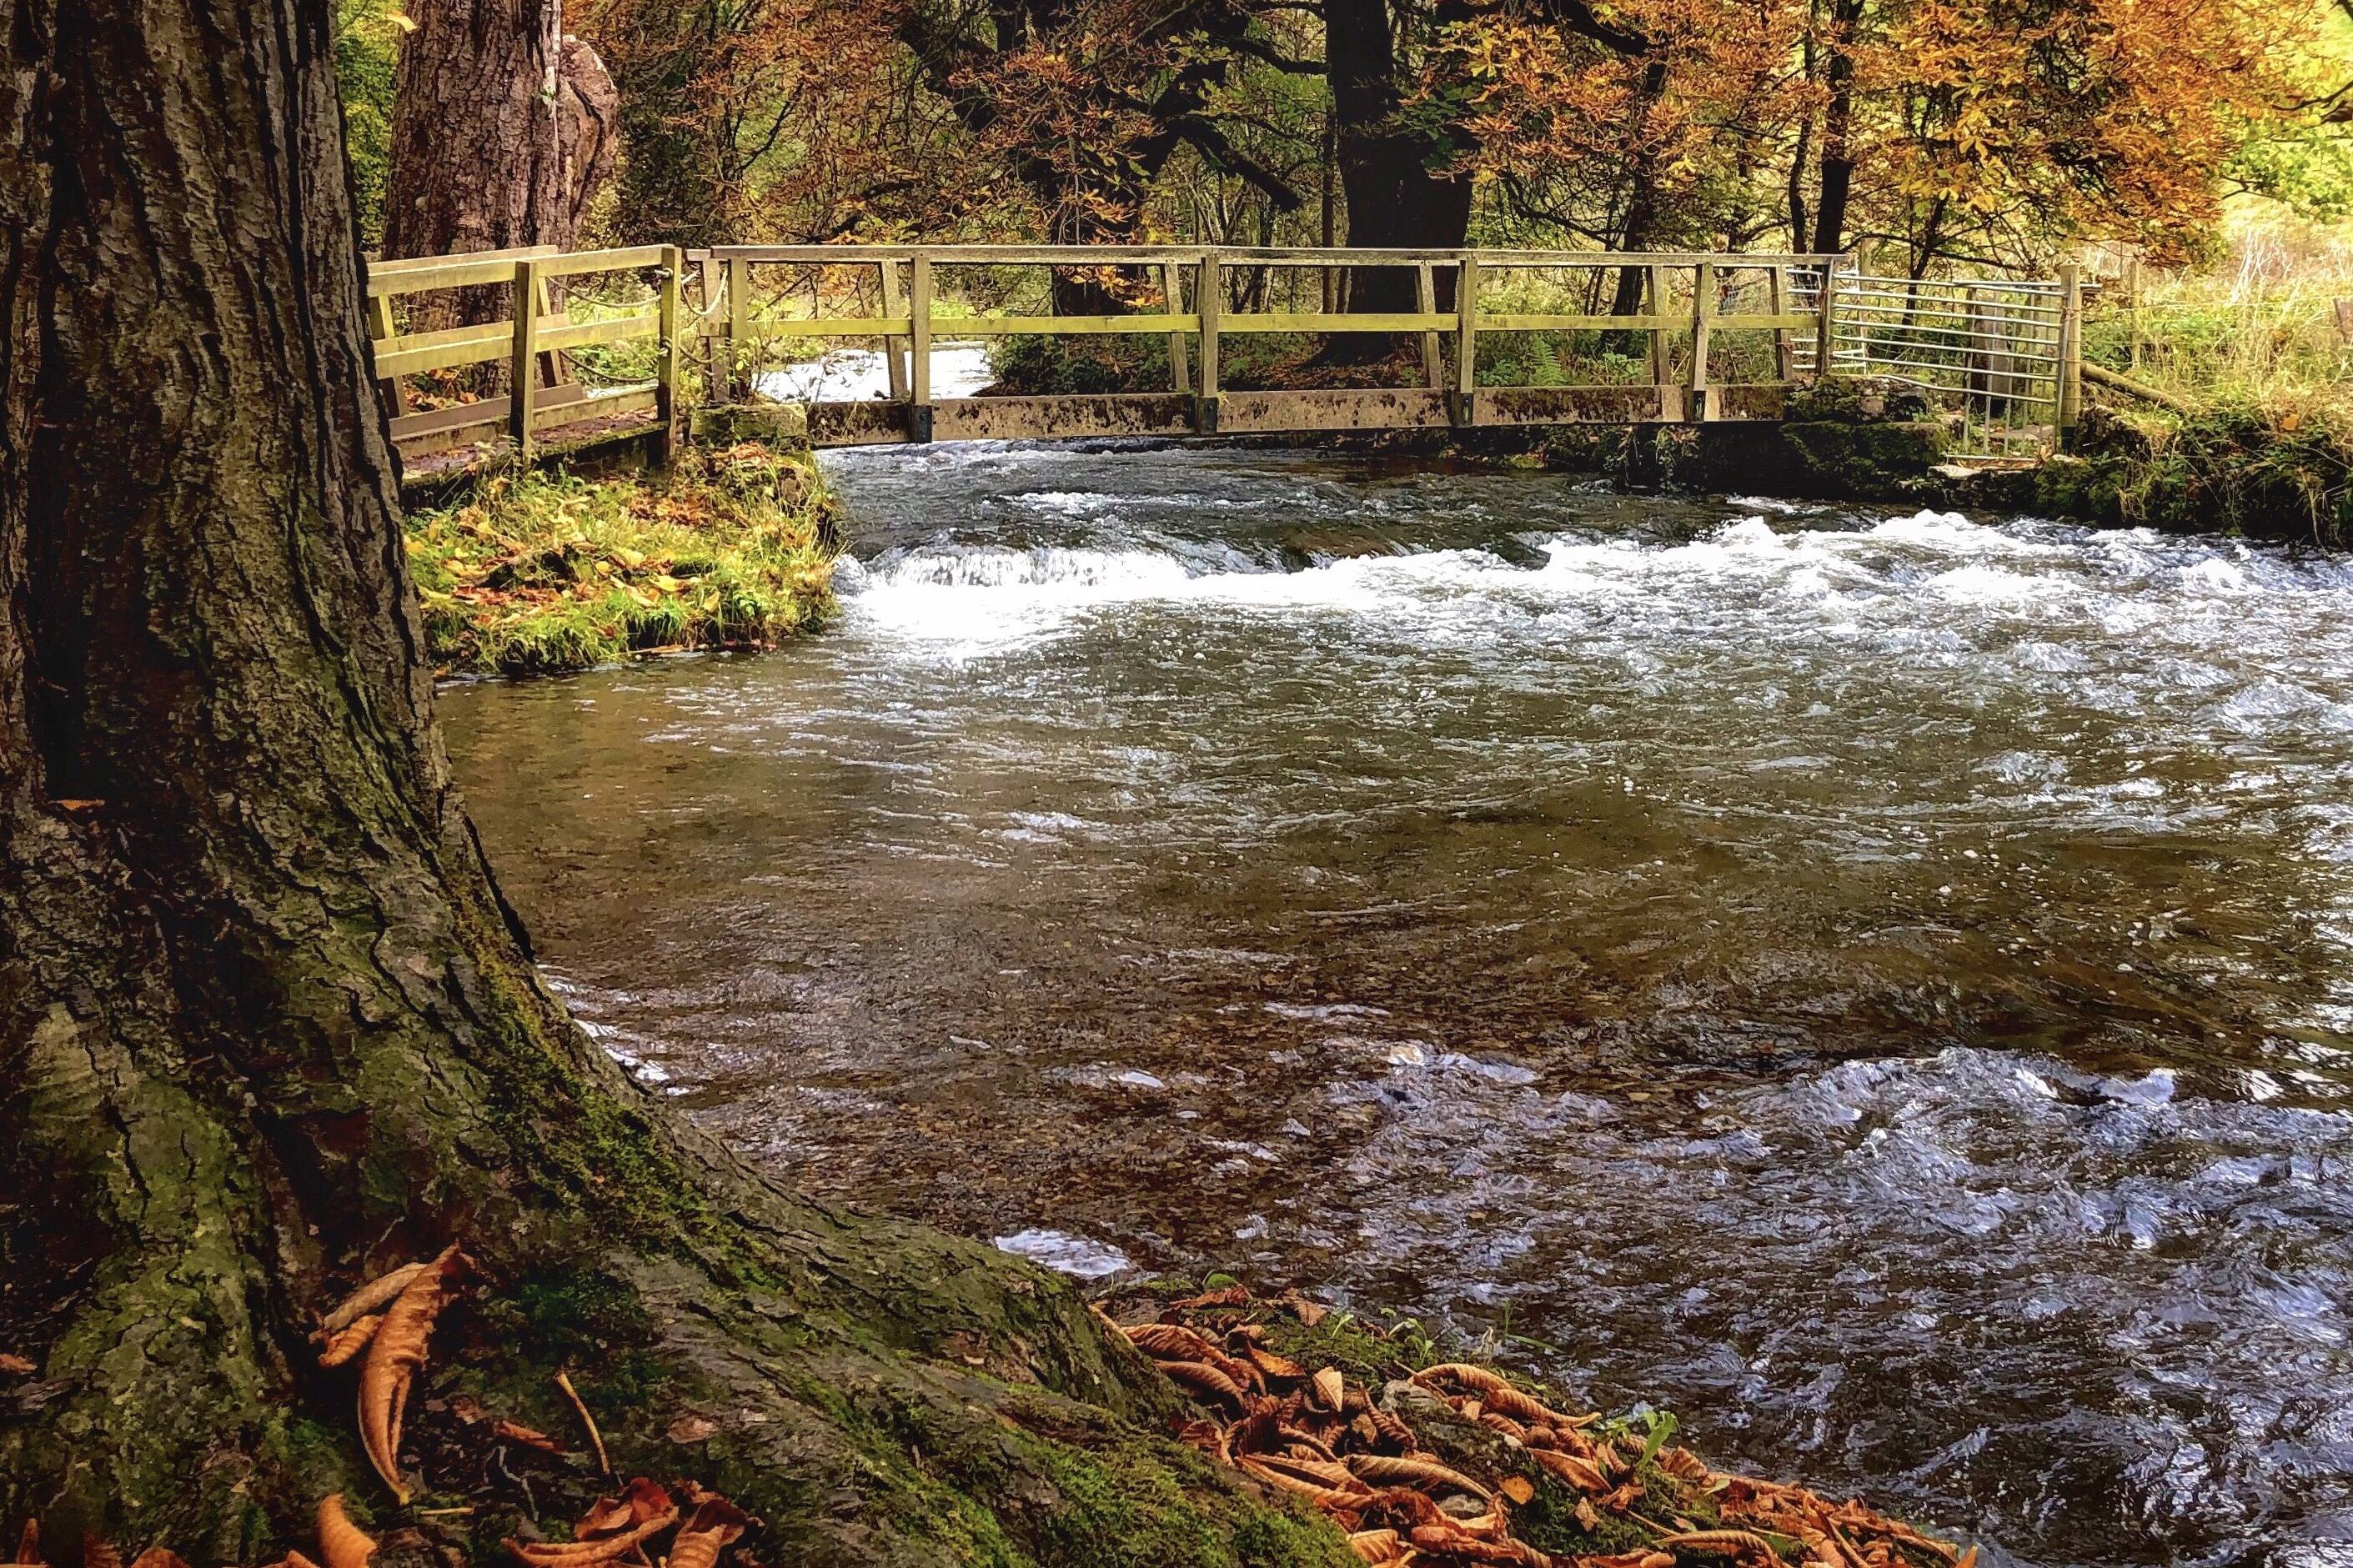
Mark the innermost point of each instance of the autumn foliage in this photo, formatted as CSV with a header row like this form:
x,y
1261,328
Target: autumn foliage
x,y
1940,131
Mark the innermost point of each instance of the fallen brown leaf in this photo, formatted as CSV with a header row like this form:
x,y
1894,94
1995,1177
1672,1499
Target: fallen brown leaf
x,y
602,1548
1272,1365
1327,1389
394,1356
375,1293
713,1526
515,1432
642,1500
1204,1378
350,1339
343,1543
96,1554
28,1544
15,1365
1519,1489
690,1429
159,1557
1383,1470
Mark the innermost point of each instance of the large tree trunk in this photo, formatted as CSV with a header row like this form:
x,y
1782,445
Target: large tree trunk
x,y
266,1025
1401,194
503,131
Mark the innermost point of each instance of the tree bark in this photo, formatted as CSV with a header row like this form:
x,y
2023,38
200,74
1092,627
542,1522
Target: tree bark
x,y
267,1027
1838,122
503,131
477,160
1400,189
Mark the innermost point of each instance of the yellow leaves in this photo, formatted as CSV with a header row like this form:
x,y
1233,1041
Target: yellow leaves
x,y
1518,1488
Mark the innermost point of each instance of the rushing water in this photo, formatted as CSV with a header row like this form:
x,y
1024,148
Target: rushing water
x,y
1876,985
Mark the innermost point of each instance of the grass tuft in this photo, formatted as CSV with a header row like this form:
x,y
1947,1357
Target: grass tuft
x,y
544,572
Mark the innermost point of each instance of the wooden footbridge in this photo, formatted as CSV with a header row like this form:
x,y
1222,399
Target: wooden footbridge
x,y
1523,338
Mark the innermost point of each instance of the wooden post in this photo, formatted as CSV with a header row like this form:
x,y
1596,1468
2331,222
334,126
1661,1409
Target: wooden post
x,y
1781,335
1466,339
739,327
1208,299
1826,321
520,367
1703,312
380,327
2070,349
919,369
543,303
715,390
1172,285
1663,357
1425,300
894,349
2132,307
669,367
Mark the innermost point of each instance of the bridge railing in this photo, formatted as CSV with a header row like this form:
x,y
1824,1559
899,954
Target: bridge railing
x,y
1684,337
2004,353
529,340
1674,304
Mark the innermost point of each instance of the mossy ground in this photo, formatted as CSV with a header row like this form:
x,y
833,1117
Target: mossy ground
x,y
2278,466
542,573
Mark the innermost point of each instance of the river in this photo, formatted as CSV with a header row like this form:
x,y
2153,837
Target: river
x,y
1874,983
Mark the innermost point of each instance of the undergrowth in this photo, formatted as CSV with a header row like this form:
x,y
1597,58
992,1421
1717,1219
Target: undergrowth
x,y
2279,466
538,572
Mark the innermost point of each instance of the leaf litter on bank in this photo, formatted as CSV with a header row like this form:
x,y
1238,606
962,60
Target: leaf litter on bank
x,y
1420,1462
1452,1463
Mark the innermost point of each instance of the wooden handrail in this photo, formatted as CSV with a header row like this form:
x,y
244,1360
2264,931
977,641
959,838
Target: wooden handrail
x,y
1193,286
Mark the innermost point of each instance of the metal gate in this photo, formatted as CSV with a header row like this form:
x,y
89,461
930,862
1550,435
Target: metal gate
x,y
1993,350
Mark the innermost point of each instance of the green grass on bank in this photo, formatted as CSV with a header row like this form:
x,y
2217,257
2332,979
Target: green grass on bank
x,y
536,573
2266,467
2255,346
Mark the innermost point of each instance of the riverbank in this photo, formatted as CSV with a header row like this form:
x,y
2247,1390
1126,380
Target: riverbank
x,y
2277,468
2269,464
546,572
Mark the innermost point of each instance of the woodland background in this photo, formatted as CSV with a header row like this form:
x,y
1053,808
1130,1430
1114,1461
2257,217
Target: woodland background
x,y
1929,134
